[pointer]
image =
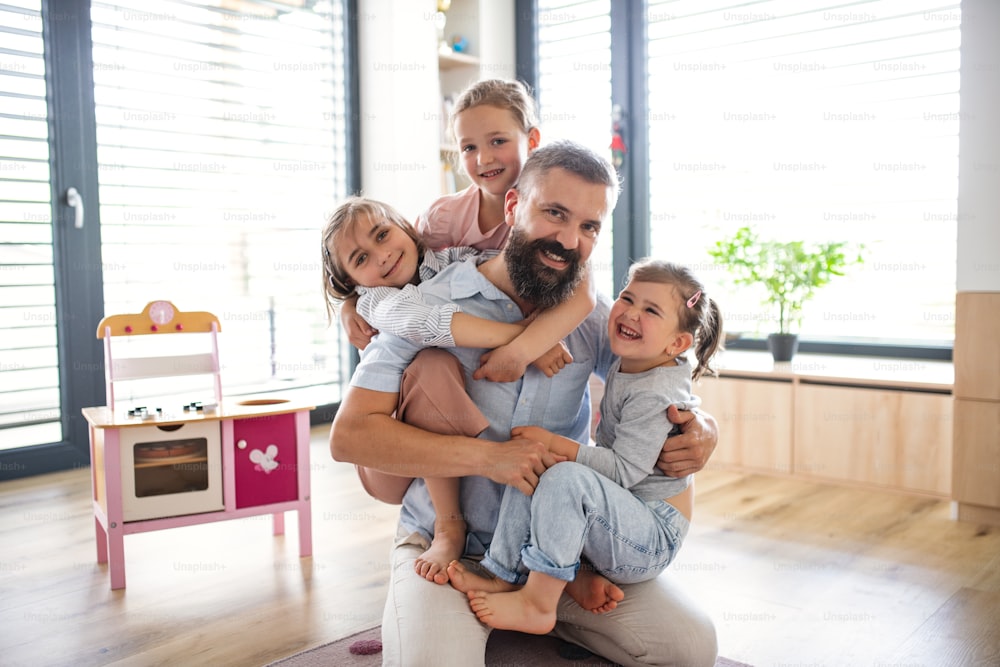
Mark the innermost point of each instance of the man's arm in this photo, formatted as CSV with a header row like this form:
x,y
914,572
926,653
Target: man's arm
x,y
365,433
688,452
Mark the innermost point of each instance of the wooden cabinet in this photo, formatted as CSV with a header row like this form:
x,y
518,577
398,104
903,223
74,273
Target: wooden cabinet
x,y
879,423
755,420
976,475
977,350
889,438
977,453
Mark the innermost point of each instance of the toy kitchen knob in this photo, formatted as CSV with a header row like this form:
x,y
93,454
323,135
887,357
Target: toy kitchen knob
x,y
242,444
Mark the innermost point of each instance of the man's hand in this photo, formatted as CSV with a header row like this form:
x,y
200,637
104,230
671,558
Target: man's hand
x,y
519,463
688,452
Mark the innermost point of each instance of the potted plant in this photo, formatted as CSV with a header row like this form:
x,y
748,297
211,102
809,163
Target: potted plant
x,y
789,272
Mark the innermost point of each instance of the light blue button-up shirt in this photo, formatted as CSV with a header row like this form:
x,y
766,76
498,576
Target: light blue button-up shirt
x,y
560,404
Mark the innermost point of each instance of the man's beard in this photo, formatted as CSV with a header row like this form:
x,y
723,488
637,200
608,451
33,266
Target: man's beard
x,y
536,283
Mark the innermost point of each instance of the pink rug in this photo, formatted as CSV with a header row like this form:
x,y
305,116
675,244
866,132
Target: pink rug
x,y
504,648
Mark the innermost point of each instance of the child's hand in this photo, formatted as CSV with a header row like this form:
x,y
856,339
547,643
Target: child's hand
x,y
554,360
501,365
536,433
543,436
358,331
564,449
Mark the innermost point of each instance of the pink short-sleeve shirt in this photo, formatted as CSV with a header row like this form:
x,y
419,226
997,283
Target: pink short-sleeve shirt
x,y
453,220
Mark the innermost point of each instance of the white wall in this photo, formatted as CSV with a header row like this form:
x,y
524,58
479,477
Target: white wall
x,y
400,94
979,149
497,53
397,63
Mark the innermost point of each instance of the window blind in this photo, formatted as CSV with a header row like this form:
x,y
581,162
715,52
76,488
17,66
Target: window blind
x,y
813,120
29,373
574,91
221,130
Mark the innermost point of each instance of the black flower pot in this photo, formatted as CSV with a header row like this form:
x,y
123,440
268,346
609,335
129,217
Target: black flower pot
x,y
783,346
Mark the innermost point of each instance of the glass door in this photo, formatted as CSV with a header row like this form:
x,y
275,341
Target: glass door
x,y
49,263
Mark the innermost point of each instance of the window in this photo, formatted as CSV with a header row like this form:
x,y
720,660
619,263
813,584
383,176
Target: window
x,y
208,141
820,122
221,145
810,120
574,90
29,357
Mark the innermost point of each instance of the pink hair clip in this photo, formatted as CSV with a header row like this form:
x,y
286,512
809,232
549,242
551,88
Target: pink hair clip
x,y
694,299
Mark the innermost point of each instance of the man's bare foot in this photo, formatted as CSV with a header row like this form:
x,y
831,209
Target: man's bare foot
x,y
594,592
512,611
464,580
447,545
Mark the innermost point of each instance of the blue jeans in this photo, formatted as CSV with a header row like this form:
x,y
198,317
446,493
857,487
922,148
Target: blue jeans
x,y
576,511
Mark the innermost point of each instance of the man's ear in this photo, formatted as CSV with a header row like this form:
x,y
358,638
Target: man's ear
x,y
510,206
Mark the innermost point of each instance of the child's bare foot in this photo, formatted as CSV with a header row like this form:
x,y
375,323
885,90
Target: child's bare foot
x,y
594,592
447,545
464,580
512,611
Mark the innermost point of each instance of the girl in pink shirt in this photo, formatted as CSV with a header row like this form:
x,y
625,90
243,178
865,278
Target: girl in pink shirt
x,y
495,126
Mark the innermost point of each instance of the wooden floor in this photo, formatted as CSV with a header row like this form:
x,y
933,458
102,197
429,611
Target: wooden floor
x,y
793,574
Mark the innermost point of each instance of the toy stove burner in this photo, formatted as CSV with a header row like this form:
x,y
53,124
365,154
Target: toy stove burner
x,y
142,412
148,414
198,406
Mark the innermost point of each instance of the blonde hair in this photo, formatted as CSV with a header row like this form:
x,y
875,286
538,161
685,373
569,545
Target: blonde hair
x,y
337,284
698,314
513,96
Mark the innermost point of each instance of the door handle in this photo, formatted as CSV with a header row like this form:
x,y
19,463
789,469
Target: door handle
x,y
74,200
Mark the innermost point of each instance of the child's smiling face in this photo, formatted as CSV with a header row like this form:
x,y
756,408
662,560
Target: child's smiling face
x,y
377,253
492,146
643,326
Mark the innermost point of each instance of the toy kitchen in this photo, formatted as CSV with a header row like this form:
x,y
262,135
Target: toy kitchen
x,y
169,463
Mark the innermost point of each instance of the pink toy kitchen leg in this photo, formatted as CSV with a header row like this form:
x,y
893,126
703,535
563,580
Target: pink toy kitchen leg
x,y
305,493
228,466
102,541
278,519
116,524
101,535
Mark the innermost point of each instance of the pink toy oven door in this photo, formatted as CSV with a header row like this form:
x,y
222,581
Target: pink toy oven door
x,y
266,469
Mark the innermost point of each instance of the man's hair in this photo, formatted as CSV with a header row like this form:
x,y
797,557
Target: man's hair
x,y
574,158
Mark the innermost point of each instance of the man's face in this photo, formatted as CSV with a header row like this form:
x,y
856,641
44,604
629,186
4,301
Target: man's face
x,y
556,221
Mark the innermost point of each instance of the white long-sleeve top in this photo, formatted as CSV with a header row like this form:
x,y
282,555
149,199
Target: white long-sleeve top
x,y
403,312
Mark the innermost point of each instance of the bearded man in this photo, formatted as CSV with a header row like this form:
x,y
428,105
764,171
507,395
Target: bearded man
x,y
564,196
